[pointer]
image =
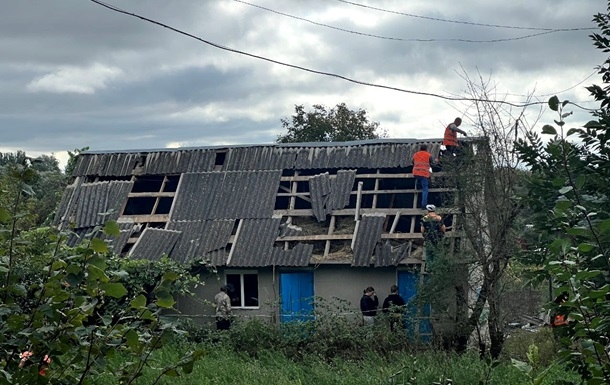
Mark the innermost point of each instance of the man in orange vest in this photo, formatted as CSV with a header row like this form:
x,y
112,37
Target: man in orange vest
x,y
422,161
450,140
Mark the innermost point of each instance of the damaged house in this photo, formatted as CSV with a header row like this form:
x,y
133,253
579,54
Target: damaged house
x,y
282,223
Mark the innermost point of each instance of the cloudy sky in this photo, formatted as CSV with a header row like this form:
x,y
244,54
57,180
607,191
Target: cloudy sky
x,y
76,74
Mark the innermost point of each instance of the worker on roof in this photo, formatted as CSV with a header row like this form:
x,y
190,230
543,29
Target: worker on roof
x,y
450,140
433,230
422,161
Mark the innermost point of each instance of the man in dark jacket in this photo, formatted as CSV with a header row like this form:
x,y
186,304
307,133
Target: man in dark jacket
x,y
394,306
368,305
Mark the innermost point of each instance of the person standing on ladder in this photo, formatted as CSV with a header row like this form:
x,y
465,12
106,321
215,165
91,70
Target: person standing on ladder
x,y
433,230
450,140
422,161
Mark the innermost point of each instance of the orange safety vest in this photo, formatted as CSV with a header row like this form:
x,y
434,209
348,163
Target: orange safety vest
x,y
560,320
421,164
450,138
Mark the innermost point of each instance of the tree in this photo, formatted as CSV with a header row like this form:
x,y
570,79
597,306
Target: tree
x,y
339,124
487,176
65,311
568,196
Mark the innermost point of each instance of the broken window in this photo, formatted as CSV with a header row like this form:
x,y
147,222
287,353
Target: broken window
x,y
243,289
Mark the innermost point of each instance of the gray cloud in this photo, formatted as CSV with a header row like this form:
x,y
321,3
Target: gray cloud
x,y
74,74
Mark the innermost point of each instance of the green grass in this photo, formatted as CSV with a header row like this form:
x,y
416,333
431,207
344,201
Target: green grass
x,y
225,367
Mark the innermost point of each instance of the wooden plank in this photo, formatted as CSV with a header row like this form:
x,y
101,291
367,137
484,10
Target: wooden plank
x,y
304,195
336,237
362,176
147,218
351,212
151,194
331,229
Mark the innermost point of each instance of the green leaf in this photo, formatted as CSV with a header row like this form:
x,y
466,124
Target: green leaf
x,y
573,131
554,103
565,190
171,276
5,216
95,273
112,228
522,366
99,245
585,247
164,299
132,339
139,302
115,290
98,261
172,373
548,129
604,226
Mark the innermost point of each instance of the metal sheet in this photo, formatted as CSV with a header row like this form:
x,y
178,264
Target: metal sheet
x,y
367,236
386,255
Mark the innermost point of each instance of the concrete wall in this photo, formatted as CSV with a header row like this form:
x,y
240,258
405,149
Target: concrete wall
x,y
330,281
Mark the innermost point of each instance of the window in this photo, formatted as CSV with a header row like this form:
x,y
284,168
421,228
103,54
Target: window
x,y
243,289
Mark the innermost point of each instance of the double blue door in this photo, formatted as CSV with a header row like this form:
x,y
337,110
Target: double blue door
x,y
417,318
296,296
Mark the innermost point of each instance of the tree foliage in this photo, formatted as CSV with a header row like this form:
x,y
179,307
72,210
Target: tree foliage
x,y
338,124
65,311
570,242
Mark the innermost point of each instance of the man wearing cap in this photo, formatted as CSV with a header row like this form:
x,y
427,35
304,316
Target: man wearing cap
x,y
450,140
433,229
422,161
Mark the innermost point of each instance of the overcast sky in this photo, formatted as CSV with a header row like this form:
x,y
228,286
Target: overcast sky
x,y
75,74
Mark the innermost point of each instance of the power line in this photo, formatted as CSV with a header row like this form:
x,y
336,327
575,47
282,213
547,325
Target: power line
x,y
116,9
465,22
546,31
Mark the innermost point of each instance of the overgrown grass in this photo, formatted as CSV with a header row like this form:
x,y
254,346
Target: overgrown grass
x,y
222,366
259,353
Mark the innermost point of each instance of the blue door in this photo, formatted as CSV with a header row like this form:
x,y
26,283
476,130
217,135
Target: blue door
x,y
417,320
296,296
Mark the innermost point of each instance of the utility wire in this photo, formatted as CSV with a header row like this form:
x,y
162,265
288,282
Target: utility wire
x,y
465,22
115,9
546,31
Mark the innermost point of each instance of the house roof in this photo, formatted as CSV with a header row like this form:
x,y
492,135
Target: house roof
x,y
375,153
224,206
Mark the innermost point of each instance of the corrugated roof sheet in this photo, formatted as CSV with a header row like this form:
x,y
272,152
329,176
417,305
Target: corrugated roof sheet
x,y
368,234
106,164
386,255
154,244
63,205
319,192
300,255
330,193
341,188
217,257
226,195
200,237
254,242
91,202
288,230
115,243
179,161
376,153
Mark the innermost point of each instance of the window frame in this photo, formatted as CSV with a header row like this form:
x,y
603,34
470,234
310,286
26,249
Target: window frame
x,y
242,294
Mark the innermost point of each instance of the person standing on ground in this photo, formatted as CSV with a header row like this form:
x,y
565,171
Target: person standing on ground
x,y
368,305
422,161
450,140
433,230
394,306
223,309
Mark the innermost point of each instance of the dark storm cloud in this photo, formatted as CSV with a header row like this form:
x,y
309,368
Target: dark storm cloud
x,y
74,74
